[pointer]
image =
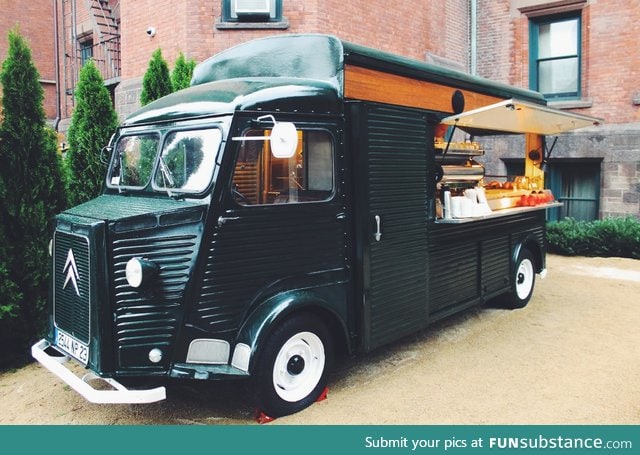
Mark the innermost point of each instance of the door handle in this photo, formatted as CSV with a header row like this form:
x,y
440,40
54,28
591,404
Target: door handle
x,y
378,233
223,219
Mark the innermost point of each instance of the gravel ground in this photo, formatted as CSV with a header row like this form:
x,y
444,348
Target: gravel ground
x,y
572,356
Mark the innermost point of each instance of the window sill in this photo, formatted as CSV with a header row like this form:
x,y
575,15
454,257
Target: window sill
x,y
281,25
571,104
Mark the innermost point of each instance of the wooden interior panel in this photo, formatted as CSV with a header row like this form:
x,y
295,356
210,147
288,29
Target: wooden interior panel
x,y
245,179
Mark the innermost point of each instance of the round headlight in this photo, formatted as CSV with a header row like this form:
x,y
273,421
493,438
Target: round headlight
x,y
133,272
140,271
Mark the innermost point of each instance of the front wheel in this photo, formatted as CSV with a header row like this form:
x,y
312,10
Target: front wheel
x,y
523,280
292,368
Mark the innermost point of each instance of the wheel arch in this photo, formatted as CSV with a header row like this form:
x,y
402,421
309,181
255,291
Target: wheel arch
x,y
532,244
271,313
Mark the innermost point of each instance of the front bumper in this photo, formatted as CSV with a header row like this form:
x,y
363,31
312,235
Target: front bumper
x,y
119,393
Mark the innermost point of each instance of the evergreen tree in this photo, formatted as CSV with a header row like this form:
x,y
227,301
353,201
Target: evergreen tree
x,y
182,73
156,82
32,192
94,121
8,289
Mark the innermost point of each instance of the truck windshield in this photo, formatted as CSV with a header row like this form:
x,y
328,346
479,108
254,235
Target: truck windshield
x,y
134,159
187,160
185,163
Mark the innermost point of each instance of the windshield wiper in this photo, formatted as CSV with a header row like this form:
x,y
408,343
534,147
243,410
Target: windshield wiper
x,y
167,177
120,170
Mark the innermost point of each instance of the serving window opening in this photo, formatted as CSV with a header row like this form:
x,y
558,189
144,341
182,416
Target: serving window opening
x,y
308,176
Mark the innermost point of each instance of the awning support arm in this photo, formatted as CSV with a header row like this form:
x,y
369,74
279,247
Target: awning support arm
x,y
446,149
547,154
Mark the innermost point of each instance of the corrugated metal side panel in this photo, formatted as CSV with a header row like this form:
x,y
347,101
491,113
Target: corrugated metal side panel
x,y
470,260
253,255
454,273
397,172
495,264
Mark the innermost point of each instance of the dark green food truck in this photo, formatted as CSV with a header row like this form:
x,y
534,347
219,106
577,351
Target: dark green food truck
x,y
305,197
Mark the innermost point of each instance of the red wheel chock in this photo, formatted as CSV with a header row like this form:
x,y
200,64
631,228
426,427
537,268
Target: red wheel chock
x,y
262,418
323,395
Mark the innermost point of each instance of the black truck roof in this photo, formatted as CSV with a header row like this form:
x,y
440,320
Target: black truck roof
x,y
299,73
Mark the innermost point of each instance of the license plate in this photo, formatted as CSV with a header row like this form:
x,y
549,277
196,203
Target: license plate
x,y
72,346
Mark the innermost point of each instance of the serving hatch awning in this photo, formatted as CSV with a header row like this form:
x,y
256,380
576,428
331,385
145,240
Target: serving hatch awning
x,y
515,116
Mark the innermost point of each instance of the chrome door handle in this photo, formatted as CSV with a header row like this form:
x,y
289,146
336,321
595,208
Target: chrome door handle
x,y
378,234
223,219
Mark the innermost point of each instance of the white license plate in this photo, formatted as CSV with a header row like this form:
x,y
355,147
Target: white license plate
x,y
72,346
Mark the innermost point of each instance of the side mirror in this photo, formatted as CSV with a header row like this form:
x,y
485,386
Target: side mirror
x,y
283,138
105,154
106,151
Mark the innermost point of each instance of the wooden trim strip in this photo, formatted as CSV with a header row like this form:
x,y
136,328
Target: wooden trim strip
x,y
371,85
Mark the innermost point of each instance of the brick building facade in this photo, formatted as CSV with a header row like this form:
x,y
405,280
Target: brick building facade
x,y
503,40
596,168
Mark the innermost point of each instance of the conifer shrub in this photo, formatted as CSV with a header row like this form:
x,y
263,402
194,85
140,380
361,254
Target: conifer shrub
x,y
33,191
182,73
94,121
156,82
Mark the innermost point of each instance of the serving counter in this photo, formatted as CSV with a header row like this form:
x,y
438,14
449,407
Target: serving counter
x,y
499,213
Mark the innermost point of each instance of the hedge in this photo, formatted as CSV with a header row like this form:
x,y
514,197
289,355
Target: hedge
x,y
609,237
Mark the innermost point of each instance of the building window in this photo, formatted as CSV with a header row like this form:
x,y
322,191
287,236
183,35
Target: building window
x,y
575,183
252,14
555,56
86,51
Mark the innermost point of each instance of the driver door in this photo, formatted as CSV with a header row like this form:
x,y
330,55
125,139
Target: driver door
x,y
281,227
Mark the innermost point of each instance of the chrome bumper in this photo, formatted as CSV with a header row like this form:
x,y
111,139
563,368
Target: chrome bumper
x,y
120,394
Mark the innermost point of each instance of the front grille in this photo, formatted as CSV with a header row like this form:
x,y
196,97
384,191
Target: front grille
x,y
148,317
72,285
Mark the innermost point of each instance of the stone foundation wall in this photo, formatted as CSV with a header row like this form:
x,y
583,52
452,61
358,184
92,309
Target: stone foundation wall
x,y
617,145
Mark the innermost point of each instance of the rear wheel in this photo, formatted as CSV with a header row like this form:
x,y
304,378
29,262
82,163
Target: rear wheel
x,y
292,368
523,280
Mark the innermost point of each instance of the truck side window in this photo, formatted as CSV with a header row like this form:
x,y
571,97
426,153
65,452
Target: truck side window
x,y
308,176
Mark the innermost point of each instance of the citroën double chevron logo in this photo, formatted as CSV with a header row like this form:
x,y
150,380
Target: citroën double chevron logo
x,y
71,270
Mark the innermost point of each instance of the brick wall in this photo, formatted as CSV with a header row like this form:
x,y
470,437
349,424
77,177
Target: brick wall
x,y
440,28
35,24
613,59
495,40
167,17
